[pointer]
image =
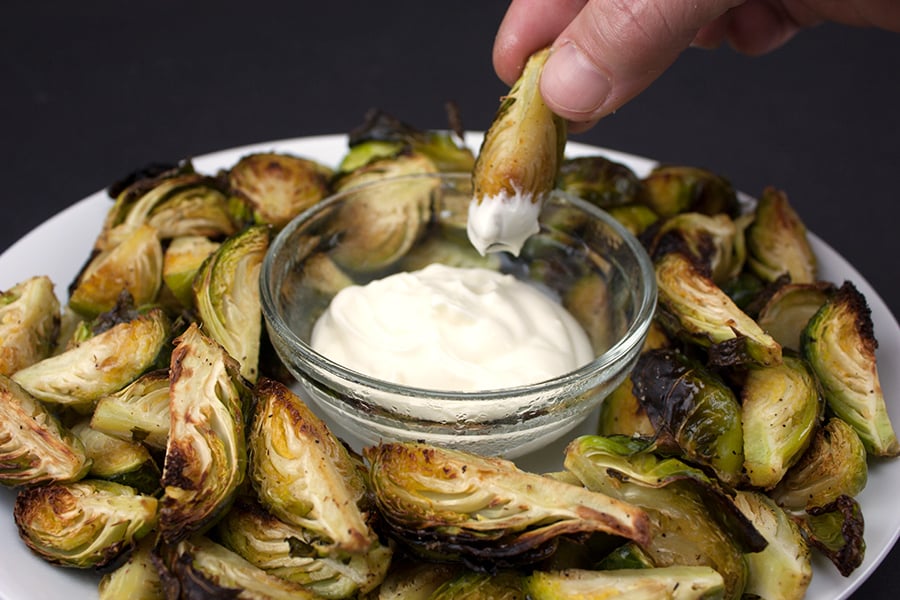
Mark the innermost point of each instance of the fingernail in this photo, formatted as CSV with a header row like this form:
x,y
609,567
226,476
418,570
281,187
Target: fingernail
x,y
573,82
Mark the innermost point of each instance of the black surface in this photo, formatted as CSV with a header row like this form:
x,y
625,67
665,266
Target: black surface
x,y
93,90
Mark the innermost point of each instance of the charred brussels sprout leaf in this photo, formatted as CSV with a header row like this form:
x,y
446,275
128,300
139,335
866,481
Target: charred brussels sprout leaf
x,y
130,259
783,569
201,568
692,521
84,524
694,308
226,296
300,555
138,412
600,181
780,409
839,343
777,241
206,455
303,474
34,447
517,164
279,186
101,365
834,465
659,583
836,530
691,411
673,189
486,511
384,136
29,322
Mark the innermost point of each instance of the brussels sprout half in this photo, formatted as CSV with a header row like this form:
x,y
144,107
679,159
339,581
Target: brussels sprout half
x,y
100,365
136,579
673,189
226,296
88,523
303,474
279,186
781,408
34,447
599,180
182,259
693,307
777,242
300,555
691,411
839,343
29,323
517,164
206,456
486,511
119,461
138,412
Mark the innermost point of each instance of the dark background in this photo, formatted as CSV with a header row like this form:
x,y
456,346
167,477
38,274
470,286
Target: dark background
x,y
92,90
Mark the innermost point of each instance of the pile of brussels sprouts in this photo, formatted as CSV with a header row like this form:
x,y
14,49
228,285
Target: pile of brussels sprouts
x,y
152,435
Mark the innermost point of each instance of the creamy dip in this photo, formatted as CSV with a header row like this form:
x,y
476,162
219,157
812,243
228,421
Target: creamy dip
x,y
502,222
451,329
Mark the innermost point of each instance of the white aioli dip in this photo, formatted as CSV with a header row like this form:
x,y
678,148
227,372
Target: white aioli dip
x,y
451,329
502,222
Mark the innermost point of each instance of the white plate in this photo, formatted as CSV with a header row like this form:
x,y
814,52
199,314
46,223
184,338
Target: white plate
x,y
60,245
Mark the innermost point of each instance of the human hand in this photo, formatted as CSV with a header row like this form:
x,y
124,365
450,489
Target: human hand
x,y
605,52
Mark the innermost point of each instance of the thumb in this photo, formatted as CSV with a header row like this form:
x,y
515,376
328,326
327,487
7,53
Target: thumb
x,y
612,50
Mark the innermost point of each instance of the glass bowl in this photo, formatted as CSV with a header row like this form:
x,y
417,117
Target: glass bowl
x,y
581,255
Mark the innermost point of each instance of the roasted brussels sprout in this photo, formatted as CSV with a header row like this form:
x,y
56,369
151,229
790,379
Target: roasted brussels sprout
x,y
136,579
486,511
138,412
206,455
781,409
416,579
226,296
299,554
112,459
692,521
714,241
694,308
783,569
130,260
34,447
181,261
776,241
673,189
303,474
88,523
839,343
29,323
100,365
659,583
516,165
599,180
383,223
279,186
200,568
636,218
834,465
786,312
692,411
177,204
